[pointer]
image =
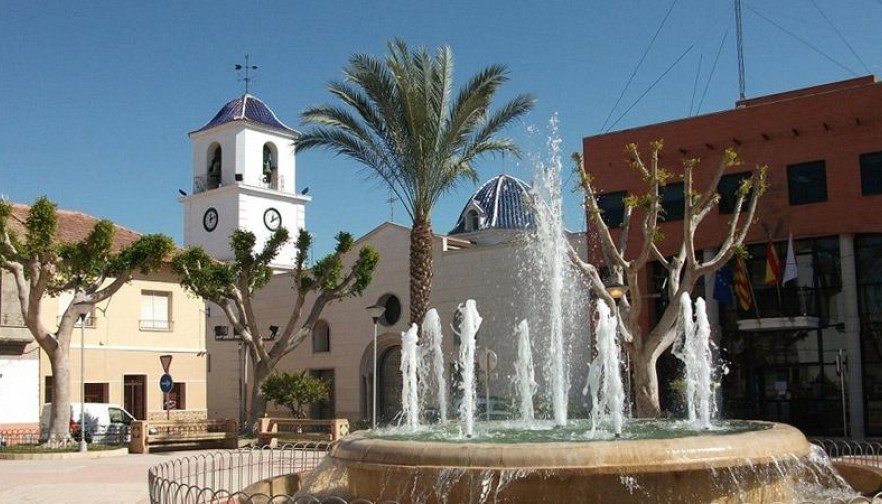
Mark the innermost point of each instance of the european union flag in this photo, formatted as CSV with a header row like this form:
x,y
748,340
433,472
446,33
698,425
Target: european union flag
x,y
723,286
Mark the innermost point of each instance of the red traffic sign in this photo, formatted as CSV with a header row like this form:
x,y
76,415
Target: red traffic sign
x,y
166,362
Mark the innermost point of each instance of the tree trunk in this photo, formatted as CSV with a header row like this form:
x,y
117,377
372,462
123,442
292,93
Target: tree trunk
x,y
646,385
258,399
421,245
59,420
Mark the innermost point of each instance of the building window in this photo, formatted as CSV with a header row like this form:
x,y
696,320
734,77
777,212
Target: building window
x,y
321,337
473,220
728,190
155,311
871,173
807,182
177,397
393,309
673,202
97,392
214,167
612,206
47,387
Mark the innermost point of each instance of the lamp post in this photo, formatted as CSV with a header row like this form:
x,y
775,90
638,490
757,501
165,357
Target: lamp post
x,y
375,311
83,446
616,291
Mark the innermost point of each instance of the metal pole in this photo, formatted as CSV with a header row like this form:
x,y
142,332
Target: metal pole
x,y
83,446
374,414
840,368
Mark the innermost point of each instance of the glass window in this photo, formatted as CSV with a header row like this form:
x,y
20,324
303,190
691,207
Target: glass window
x,y
47,387
97,392
871,173
728,190
177,397
321,337
155,311
673,202
807,182
612,206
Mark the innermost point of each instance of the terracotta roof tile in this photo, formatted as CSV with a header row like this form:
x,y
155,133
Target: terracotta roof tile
x,y
73,226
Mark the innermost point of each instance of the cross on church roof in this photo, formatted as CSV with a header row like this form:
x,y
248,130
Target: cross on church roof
x,y
247,79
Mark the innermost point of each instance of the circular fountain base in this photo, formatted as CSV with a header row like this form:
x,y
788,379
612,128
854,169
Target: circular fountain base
x,y
723,468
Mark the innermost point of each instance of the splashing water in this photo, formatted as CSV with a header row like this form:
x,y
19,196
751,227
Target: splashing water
x,y
525,375
431,375
604,374
694,350
471,322
409,364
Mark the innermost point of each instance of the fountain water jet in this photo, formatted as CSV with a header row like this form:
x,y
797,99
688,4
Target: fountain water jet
x,y
604,376
525,376
471,322
409,364
694,350
431,375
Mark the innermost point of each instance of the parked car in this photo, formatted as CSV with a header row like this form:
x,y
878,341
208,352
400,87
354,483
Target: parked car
x,y
105,423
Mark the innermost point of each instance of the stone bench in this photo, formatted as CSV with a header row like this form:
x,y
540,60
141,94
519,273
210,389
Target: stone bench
x,y
211,433
271,430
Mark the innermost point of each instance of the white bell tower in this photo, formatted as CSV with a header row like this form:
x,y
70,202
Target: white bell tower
x,y
243,178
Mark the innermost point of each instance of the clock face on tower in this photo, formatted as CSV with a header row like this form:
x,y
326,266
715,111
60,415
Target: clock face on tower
x,y
209,219
272,219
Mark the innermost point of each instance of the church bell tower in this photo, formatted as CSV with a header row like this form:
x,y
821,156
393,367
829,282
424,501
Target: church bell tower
x,y
243,178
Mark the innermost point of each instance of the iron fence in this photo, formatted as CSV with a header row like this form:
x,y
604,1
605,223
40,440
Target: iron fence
x,y
222,476
116,435
14,437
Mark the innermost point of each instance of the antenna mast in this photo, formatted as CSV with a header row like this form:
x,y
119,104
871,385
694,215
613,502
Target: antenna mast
x,y
247,79
740,43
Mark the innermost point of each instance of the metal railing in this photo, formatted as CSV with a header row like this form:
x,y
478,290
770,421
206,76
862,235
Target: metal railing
x,y
221,476
14,437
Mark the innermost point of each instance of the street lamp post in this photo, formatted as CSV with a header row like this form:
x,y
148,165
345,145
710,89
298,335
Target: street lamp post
x,y
375,311
83,446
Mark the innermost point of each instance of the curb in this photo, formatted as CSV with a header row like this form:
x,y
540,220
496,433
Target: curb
x,y
118,452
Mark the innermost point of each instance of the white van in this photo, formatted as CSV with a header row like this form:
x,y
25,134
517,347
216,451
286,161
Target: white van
x,y
105,423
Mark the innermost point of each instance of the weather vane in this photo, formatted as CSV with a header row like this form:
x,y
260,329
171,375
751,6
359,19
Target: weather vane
x,y
248,78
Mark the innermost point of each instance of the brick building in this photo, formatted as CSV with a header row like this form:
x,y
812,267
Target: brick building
x,y
823,148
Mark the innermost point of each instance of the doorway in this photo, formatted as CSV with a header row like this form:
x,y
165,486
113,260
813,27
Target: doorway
x,y
134,395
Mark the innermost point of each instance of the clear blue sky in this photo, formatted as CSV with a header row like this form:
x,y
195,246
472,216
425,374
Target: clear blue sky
x,y
97,98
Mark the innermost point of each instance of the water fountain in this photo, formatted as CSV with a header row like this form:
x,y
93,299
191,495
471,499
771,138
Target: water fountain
x,y
603,458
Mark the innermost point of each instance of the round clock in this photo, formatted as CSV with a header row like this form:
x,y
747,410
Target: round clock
x,y
209,219
272,219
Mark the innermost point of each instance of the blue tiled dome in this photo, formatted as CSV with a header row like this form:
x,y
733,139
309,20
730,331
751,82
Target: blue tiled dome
x,y
503,202
247,108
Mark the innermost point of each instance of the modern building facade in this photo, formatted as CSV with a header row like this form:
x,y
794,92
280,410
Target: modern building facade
x,y
798,348
122,341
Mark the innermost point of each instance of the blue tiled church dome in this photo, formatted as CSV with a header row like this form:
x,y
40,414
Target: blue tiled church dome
x,y
503,202
247,108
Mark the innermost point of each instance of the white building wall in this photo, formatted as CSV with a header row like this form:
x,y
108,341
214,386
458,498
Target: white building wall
x,y
19,391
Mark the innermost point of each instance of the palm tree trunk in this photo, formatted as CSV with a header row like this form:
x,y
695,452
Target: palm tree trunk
x,y
421,248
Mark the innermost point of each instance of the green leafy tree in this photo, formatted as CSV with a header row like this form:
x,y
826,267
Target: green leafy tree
x,y
400,120
682,270
233,285
44,265
295,390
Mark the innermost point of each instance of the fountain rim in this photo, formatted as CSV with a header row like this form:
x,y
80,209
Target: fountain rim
x,y
770,445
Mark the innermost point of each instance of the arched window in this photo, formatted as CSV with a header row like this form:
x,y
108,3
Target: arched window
x,y
321,337
215,156
270,165
473,220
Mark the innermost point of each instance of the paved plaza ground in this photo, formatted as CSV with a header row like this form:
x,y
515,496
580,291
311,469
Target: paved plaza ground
x,y
110,480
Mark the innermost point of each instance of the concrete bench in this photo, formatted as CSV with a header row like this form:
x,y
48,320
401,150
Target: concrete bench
x,y
272,430
147,433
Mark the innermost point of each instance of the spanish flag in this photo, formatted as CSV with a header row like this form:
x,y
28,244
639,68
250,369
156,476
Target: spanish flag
x,y
773,265
742,285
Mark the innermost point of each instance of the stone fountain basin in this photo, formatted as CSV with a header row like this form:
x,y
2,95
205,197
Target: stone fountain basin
x,y
748,467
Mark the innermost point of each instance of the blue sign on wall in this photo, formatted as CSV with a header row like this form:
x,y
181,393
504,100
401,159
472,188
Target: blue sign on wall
x,y
166,383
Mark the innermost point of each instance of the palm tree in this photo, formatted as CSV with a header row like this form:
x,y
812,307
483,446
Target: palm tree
x,y
399,119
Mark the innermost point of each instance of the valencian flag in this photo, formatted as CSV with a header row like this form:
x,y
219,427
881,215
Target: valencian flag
x,y
742,285
723,286
773,265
